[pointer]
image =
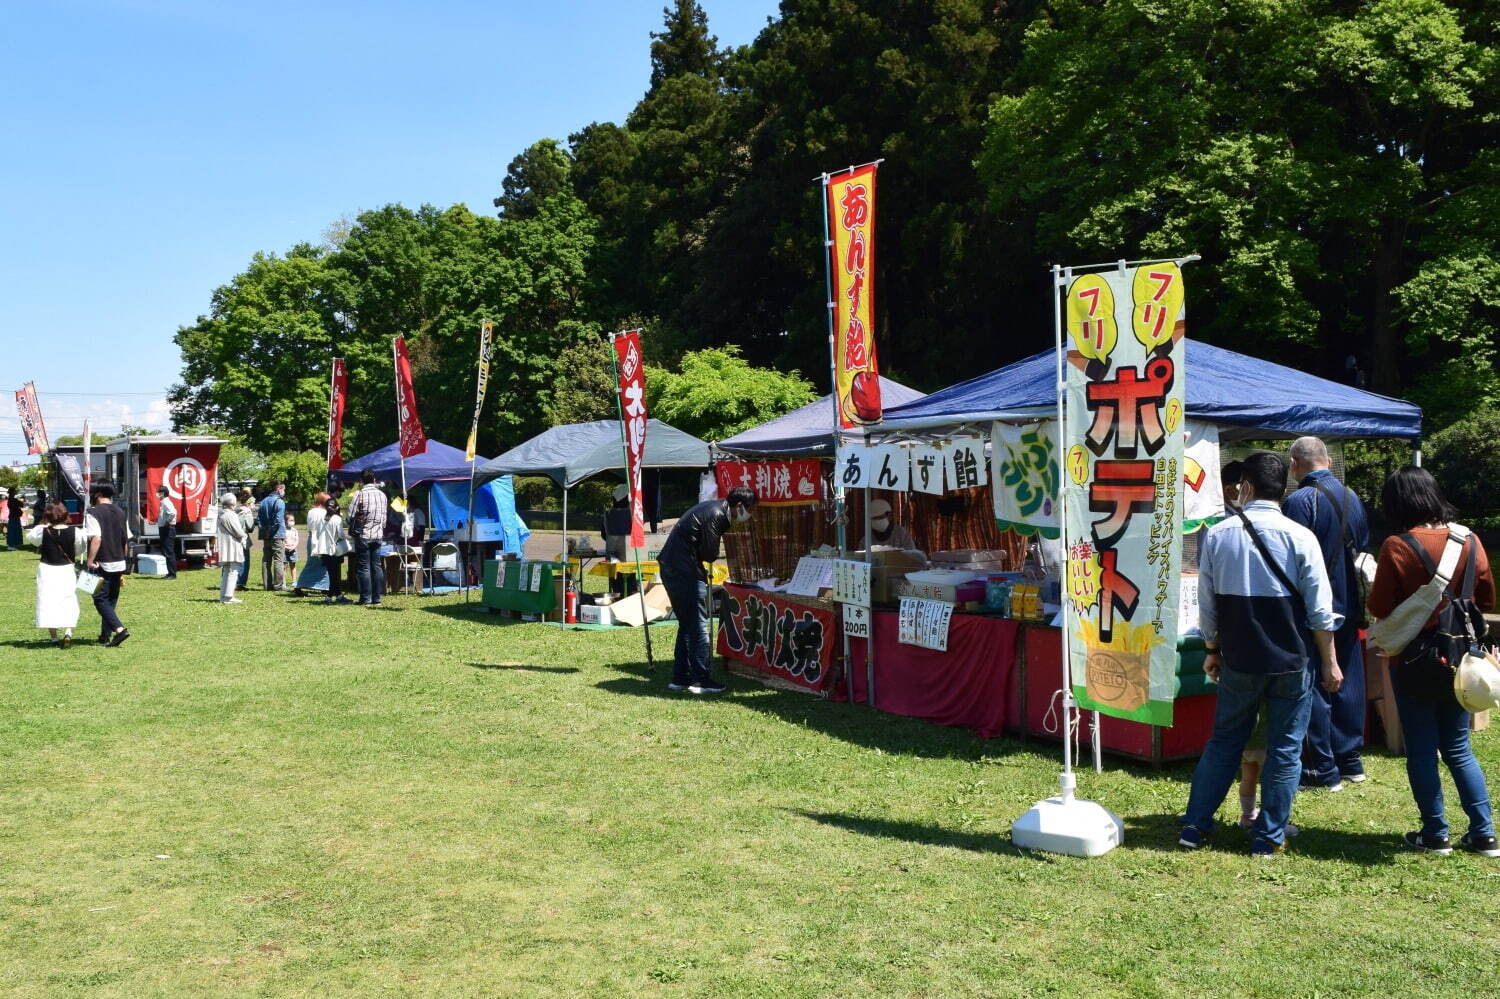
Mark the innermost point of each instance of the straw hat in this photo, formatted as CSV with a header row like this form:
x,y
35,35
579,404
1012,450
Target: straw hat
x,y
1477,683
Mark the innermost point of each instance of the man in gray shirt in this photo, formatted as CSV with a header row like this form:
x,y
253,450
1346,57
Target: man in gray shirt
x,y
367,513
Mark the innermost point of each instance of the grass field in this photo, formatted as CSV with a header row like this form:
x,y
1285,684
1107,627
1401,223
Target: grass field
x,y
282,798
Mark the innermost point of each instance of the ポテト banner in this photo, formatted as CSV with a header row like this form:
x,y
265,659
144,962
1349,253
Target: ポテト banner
x,y
486,345
776,483
188,473
1123,459
632,370
413,439
338,392
851,267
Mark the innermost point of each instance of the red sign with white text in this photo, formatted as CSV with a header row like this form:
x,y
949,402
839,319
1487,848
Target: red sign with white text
x,y
336,396
30,411
413,440
632,368
776,483
188,473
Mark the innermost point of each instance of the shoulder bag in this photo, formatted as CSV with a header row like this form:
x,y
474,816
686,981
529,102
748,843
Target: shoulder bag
x,y
1390,635
1362,564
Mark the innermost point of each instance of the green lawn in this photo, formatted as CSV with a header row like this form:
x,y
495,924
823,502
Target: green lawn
x,y
282,798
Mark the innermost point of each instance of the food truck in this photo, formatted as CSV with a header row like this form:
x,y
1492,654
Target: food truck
x,y
136,466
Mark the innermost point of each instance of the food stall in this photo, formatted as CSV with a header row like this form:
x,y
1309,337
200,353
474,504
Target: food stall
x,y
569,455
1230,398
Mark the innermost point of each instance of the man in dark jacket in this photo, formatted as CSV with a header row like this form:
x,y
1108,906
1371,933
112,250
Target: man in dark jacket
x,y
1329,509
693,541
271,518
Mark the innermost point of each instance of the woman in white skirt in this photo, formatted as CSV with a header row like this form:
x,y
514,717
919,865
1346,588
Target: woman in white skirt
x,y
232,542
56,576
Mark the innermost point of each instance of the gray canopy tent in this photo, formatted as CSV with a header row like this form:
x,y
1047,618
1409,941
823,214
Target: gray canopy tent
x,y
577,451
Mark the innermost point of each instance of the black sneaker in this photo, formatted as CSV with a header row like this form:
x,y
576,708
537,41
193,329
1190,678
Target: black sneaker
x,y
1441,846
118,638
707,687
1485,846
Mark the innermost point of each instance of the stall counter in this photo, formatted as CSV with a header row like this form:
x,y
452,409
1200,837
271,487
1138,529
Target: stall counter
x,y
504,589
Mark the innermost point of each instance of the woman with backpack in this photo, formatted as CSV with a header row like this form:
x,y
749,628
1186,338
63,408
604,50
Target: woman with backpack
x,y
1432,720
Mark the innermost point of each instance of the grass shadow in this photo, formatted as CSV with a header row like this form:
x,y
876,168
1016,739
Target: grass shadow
x,y
1367,849
475,612
525,667
852,723
913,832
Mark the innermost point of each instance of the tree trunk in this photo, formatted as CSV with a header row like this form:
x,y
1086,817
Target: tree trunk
x,y
1385,342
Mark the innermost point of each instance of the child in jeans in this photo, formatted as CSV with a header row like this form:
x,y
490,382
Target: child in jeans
x,y
290,546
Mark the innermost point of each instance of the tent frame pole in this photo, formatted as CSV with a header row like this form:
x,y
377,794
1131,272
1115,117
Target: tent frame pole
x,y
562,620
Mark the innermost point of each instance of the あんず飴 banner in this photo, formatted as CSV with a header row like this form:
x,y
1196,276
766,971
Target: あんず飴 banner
x,y
1123,476
851,268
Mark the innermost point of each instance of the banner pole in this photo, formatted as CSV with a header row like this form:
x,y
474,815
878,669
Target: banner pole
x,y
562,621
839,509
1068,781
464,568
640,580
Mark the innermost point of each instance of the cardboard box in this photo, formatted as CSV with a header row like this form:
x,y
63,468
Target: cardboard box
x,y
890,568
151,565
596,614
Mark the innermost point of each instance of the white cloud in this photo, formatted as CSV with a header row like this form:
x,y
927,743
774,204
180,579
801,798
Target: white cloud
x,y
64,415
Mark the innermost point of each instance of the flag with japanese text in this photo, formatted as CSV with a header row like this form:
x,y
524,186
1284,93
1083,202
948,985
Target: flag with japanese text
x,y
30,411
1025,491
851,267
413,440
337,394
1123,460
632,370
486,345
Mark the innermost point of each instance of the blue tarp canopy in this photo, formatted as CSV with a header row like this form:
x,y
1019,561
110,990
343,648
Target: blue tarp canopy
x,y
1242,395
495,517
439,461
805,432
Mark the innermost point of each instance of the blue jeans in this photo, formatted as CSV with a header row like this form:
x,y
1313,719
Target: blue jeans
x,y
245,565
690,604
369,570
1434,729
1288,698
1336,727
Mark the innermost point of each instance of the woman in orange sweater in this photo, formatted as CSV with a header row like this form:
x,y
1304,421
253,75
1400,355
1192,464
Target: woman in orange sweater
x,y
1416,510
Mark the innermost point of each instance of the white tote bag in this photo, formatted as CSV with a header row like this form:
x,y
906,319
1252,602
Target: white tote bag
x,y
88,582
1393,633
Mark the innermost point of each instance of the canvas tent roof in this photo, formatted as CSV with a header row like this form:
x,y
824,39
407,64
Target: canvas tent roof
x,y
1225,388
439,461
805,432
569,454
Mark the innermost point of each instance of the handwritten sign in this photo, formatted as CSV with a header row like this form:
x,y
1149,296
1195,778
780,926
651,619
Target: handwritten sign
x,y
927,469
812,576
851,582
964,464
856,621
924,623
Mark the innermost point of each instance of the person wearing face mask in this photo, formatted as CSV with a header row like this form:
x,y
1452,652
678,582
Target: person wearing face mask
x,y
695,541
886,532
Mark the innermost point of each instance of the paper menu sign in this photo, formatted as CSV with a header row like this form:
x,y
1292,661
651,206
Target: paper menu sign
x,y
856,621
924,623
851,582
812,575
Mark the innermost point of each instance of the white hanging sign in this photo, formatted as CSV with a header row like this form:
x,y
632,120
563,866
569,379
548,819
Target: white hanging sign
x,y
856,621
812,575
853,470
890,468
927,469
964,464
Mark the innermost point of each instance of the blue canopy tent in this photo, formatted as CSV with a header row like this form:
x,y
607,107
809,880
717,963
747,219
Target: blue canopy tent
x,y
1246,397
438,462
805,432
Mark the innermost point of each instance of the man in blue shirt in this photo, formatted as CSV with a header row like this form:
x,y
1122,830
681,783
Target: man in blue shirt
x,y
1322,504
1261,587
270,516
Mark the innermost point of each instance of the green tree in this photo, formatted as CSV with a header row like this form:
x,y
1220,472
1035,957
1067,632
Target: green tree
x,y
1465,459
539,173
304,472
718,393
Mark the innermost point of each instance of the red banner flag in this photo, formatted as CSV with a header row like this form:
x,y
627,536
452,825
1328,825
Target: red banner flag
x,y
851,266
189,473
413,440
632,368
30,411
336,396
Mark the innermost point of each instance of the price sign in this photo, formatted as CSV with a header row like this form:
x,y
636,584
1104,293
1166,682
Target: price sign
x,y
851,582
856,621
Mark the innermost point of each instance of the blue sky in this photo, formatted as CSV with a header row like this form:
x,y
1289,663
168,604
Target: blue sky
x,y
152,146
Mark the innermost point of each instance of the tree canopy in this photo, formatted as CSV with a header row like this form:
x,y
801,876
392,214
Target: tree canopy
x,y
1334,163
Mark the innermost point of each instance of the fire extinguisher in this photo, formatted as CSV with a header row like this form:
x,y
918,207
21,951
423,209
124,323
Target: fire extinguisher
x,y
570,604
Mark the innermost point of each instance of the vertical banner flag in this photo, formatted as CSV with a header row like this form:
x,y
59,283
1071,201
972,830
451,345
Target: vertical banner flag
x,y
336,396
633,413
486,344
413,440
851,263
31,420
1202,485
88,462
1123,465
